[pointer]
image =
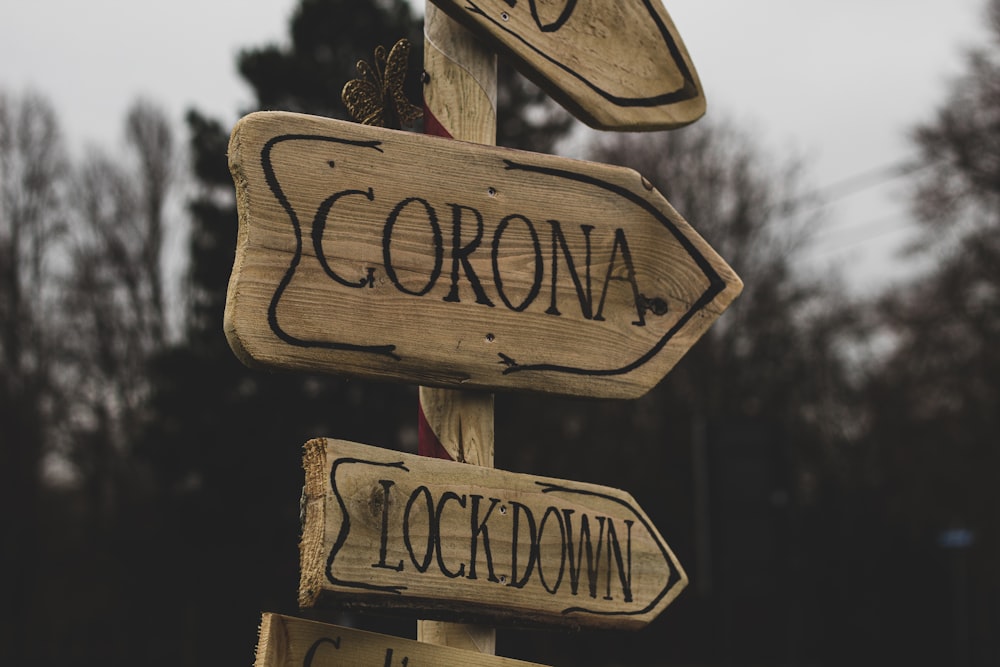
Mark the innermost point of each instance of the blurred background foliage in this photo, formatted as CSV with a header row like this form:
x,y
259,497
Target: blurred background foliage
x,y
825,467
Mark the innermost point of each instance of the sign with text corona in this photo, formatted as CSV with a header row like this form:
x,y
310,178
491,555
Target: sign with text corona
x,y
615,65
389,255
285,641
454,541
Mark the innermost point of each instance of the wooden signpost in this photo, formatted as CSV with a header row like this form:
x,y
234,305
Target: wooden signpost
x,y
456,541
392,255
460,100
615,65
464,267
292,642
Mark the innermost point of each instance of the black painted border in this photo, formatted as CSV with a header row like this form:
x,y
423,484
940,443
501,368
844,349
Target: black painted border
x,y
672,579
272,310
688,91
345,527
715,282
546,487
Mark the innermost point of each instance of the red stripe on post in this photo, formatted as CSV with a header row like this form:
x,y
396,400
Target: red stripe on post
x,y
428,443
433,126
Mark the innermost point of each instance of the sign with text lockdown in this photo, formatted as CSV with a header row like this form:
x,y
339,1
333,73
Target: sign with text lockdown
x,y
615,65
450,540
293,642
389,255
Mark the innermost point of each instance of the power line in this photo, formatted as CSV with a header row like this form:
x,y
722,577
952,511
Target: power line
x,y
855,184
877,228
864,180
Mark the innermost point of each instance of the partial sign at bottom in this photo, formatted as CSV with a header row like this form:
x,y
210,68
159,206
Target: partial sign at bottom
x,y
292,642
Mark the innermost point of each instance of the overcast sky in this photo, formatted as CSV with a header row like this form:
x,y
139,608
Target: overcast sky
x,y
838,82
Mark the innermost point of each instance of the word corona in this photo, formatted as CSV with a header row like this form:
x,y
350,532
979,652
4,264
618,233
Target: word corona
x,y
415,216
386,255
388,528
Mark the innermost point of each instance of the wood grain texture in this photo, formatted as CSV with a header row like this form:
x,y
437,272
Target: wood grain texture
x,y
460,101
462,422
387,255
386,530
461,92
615,65
285,641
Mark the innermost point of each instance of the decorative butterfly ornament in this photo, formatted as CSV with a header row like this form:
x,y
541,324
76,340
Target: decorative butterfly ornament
x,y
377,98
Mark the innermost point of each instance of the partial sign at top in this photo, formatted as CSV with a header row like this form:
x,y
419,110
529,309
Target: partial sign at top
x,y
396,256
616,65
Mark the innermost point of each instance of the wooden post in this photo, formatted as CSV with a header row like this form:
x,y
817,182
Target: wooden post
x,y
460,93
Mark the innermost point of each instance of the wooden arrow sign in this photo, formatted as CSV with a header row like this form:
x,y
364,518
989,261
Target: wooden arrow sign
x,y
454,541
389,255
285,641
615,65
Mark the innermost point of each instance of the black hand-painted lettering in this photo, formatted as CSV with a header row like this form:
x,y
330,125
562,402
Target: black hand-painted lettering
x,y
622,243
544,549
466,242
536,284
445,497
560,21
686,91
563,548
319,227
460,255
432,528
388,659
715,283
480,528
532,544
624,566
654,305
650,599
386,484
311,653
593,556
272,310
345,527
583,293
390,224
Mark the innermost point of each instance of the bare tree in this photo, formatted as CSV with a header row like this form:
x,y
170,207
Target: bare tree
x,y
726,444
934,422
751,208
114,299
151,138
957,191
32,168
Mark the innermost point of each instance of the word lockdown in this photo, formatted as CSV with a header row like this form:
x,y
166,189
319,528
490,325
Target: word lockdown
x,y
388,255
383,528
